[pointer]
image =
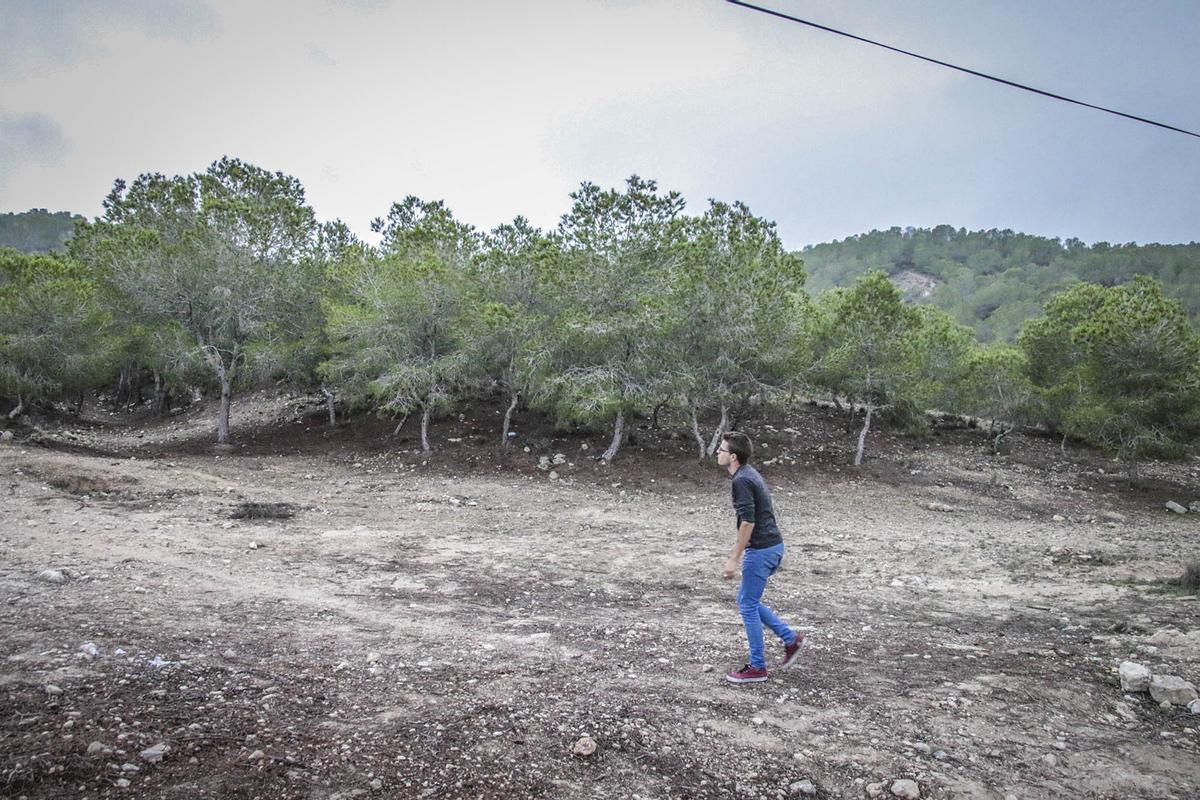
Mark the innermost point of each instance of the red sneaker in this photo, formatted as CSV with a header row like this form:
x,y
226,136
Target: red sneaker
x,y
790,651
747,674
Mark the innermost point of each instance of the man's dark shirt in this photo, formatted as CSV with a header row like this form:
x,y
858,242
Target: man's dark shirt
x,y
752,502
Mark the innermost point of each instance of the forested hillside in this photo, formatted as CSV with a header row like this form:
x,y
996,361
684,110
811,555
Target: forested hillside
x,y
36,230
994,280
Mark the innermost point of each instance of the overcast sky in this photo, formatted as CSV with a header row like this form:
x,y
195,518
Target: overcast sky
x,y
503,108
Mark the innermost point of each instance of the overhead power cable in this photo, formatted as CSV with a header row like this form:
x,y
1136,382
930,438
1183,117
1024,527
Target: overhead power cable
x,y
976,73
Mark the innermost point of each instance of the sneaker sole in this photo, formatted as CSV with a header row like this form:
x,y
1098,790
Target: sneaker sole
x,y
763,679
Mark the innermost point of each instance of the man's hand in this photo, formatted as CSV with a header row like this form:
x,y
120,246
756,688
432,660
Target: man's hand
x,y
730,569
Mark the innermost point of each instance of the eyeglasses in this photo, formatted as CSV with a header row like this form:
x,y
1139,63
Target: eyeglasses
x,y
722,450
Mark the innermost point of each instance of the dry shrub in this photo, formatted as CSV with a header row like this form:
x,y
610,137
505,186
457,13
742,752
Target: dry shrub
x,y
263,511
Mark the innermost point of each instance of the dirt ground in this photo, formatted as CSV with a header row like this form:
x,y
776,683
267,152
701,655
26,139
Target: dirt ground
x,y
453,626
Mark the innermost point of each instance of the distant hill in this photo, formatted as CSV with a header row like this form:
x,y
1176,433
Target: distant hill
x,y
36,230
995,280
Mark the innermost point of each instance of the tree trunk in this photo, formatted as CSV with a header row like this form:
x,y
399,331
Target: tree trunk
x,y
1133,472
79,405
160,394
862,435
329,398
618,435
1062,446
715,442
850,413
425,429
16,412
658,408
996,442
696,432
223,414
512,406
399,425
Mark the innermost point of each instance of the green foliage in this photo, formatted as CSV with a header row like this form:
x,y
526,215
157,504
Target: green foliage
x,y
226,255
993,281
1118,367
734,304
54,332
37,230
396,332
605,343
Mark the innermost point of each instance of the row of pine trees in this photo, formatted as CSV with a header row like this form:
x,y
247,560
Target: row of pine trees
x,y
225,279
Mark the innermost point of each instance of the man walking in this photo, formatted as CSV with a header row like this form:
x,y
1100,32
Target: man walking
x,y
759,549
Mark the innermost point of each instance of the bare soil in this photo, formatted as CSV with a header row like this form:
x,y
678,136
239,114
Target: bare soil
x,y
318,612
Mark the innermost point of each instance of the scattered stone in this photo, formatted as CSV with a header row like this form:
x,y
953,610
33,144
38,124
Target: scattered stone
x,y
1050,760
1194,506
585,746
1173,506
940,755
1172,689
559,458
758,721
53,576
875,789
906,789
156,753
804,788
6,436
94,748
921,747
941,507
253,545
1059,518
53,690
122,783
373,657
543,462
1194,707
377,784
1166,636
89,650
1134,677
229,653
1113,516
257,755
553,475
707,668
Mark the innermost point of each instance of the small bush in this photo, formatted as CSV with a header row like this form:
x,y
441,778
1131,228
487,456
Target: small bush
x,y
263,511
1190,580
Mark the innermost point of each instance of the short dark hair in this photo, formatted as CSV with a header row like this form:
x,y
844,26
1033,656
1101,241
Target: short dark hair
x,y
739,444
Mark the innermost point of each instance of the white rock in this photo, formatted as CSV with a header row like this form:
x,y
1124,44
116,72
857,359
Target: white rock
x,y
804,788
906,789
253,545
1194,506
156,753
1173,506
257,755
1059,518
89,650
1050,760
875,789
553,475
53,690
53,576
1172,689
122,783
1134,677
941,507
1194,707
1166,636
585,746
94,748
373,657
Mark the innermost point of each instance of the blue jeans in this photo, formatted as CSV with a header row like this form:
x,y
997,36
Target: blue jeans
x,y
757,567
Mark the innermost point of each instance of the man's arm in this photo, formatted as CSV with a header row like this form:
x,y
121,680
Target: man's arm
x,y
739,547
